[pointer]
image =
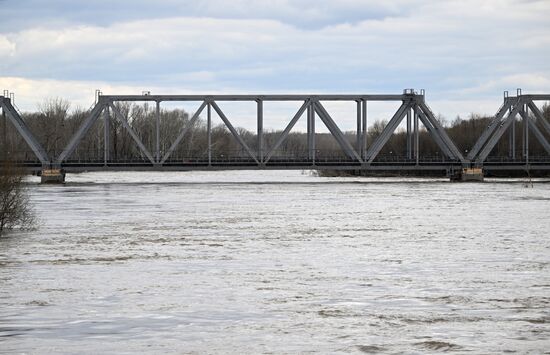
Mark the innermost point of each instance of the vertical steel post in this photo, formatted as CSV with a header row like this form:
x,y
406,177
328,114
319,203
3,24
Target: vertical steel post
x,y
359,130
209,131
5,133
524,134
308,120
98,145
409,135
260,127
107,135
513,136
365,131
512,139
157,128
523,138
416,136
526,124
311,126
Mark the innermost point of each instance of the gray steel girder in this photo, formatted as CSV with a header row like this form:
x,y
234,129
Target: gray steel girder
x,y
233,131
539,116
24,131
489,130
538,134
82,130
498,133
126,125
269,97
288,128
506,114
440,132
434,134
364,134
184,132
336,132
260,129
387,132
106,135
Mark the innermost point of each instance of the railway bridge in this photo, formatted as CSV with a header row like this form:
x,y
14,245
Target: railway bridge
x,y
358,154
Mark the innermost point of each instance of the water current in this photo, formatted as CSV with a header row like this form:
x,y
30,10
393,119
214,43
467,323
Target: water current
x,y
277,262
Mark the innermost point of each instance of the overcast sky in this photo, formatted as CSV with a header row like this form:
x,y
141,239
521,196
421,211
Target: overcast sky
x,y
464,53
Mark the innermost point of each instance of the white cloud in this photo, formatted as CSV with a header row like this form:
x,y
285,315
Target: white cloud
x,y
31,93
7,48
299,13
462,52
533,83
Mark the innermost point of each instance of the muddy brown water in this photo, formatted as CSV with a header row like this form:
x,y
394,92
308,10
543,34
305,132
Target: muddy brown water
x,y
278,262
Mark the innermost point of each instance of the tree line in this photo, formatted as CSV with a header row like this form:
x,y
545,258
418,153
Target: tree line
x,y
54,123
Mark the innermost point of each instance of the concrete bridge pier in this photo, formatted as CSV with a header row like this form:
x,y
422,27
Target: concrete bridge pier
x,y
468,174
52,176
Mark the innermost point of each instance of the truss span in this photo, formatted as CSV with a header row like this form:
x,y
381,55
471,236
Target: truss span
x,y
358,153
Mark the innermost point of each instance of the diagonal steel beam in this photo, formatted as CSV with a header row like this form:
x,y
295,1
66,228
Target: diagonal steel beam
x,y
287,130
498,133
489,130
126,125
387,132
440,131
82,130
234,132
538,134
336,132
539,116
434,134
184,132
24,131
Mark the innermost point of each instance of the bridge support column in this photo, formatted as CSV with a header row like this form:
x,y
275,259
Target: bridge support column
x,y
157,133
5,134
365,132
526,128
106,136
52,176
209,131
260,130
409,135
512,139
359,135
416,136
311,132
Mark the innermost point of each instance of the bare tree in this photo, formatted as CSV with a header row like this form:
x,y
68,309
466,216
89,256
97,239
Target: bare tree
x,y
14,202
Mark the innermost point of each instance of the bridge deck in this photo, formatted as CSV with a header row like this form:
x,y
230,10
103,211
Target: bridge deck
x,y
395,165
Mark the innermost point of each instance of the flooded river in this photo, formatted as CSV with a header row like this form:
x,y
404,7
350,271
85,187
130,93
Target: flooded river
x,y
277,262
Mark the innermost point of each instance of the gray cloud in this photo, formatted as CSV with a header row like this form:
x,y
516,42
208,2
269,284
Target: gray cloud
x,y
462,49
21,14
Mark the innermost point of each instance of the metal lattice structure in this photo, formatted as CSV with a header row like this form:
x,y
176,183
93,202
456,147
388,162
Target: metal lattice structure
x,y
505,119
358,155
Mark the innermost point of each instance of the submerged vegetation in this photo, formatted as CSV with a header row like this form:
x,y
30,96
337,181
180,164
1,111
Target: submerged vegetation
x,y
15,211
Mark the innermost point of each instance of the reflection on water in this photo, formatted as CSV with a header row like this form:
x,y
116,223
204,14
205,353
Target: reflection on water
x,y
280,262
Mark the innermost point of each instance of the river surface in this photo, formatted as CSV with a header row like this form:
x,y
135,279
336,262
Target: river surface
x,y
277,262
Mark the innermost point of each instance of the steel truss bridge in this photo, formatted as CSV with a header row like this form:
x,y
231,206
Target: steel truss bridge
x,y
359,155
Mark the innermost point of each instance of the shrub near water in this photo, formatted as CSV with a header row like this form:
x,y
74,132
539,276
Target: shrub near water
x,y
15,211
